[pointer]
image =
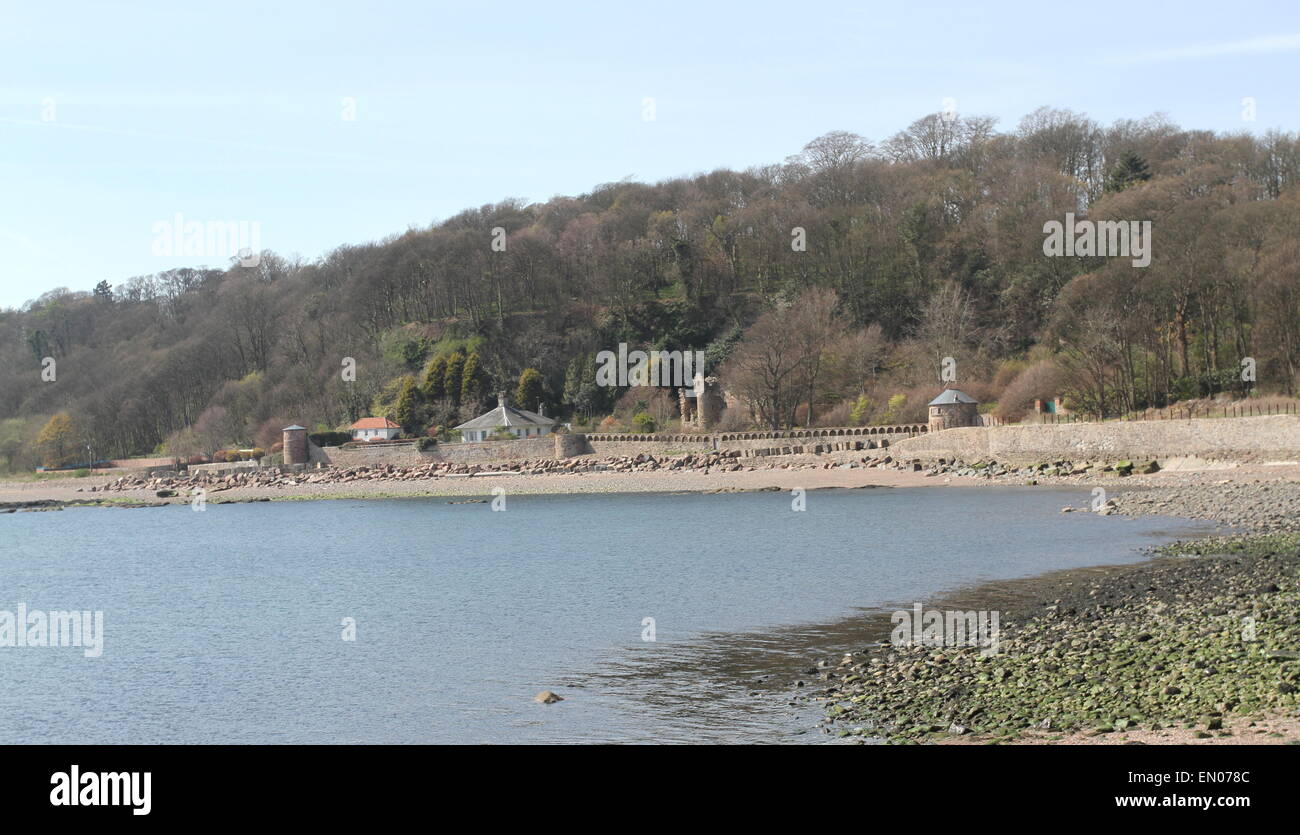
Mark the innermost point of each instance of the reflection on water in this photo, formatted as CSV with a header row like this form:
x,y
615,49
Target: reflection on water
x,y
224,626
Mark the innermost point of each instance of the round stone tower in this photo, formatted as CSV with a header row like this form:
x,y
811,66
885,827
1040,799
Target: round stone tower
x,y
295,445
953,408
568,444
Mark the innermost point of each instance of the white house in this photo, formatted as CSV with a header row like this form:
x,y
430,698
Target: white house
x,y
518,422
374,429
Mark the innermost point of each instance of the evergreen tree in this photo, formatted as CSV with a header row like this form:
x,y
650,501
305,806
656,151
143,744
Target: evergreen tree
x,y
1130,169
473,381
580,389
434,379
451,381
404,413
529,393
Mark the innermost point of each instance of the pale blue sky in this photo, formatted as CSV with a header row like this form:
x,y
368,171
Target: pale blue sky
x,y
233,111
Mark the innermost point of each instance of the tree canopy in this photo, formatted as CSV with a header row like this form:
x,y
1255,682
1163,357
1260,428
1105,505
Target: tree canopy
x,y
926,244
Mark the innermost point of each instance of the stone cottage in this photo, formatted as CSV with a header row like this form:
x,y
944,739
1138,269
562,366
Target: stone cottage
x,y
953,408
506,418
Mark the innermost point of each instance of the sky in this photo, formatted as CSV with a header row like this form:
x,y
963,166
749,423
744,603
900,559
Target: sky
x,y
322,124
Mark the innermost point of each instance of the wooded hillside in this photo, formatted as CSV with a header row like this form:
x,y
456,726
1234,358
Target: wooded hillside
x,y
920,246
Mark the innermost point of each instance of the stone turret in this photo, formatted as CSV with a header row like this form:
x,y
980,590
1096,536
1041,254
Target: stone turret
x,y
295,445
953,408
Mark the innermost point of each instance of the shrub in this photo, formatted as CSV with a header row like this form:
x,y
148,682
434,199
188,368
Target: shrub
x,y
329,438
1040,381
838,415
894,409
426,443
861,409
197,459
1008,371
643,422
277,447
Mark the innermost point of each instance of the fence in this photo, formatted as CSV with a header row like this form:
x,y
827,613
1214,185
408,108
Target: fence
x,y
1174,413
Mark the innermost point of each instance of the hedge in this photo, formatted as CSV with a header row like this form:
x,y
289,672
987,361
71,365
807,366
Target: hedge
x,y
330,438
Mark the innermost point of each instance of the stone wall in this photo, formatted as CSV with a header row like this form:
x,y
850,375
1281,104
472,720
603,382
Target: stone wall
x,y
223,467
486,452
379,455
143,463
147,472
616,445
657,444
620,445
1274,437
492,452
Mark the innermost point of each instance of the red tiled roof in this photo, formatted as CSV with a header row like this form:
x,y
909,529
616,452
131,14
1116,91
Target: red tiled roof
x,y
374,423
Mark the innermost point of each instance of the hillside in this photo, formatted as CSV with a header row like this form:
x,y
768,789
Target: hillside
x,y
919,247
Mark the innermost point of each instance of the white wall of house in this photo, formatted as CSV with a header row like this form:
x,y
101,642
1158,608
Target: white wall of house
x,y
476,435
368,434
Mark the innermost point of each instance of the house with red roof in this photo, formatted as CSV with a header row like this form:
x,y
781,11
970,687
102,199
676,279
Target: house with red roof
x,y
374,429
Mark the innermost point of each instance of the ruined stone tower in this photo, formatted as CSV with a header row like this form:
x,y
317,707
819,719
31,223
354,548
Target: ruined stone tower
x,y
702,405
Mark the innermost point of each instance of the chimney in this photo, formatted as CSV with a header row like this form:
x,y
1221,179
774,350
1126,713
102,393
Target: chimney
x,y
501,398
541,409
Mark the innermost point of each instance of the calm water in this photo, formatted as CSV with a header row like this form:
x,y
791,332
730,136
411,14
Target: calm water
x,y
224,625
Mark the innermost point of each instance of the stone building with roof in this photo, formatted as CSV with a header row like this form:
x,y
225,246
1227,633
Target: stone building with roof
x,y
953,408
506,418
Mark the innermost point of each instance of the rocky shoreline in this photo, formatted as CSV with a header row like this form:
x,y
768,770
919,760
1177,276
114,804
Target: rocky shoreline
x,y
724,471
1200,644
274,477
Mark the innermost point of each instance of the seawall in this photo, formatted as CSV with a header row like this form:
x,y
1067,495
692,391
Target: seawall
x,y
1273,437
553,447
